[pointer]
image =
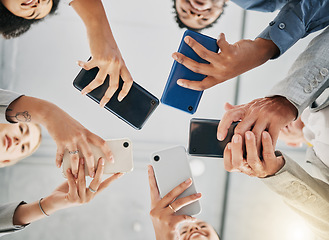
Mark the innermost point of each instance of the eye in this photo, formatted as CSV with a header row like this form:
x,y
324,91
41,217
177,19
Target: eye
x,y
183,10
23,148
205,19
203,226
183,232
21,128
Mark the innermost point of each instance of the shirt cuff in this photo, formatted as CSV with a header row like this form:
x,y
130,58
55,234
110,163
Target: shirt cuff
x,y
285,30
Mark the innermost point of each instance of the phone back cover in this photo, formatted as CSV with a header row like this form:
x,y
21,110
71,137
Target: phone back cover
x,y
203,140
171,170
122,153
179,97
134,109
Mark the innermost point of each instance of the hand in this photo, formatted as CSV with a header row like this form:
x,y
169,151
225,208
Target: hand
x,y
231,61
105,53
70,134
163,217
252,165
270,114
74,192
292,134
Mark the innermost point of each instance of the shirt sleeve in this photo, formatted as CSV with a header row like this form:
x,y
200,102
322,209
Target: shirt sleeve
x,y
296,20
6,98
6,218
309,75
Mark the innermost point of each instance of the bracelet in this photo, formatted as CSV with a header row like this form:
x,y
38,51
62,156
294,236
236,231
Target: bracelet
x,y
42,209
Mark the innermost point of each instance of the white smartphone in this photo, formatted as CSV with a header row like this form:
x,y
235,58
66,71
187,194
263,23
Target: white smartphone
x,y
122,154
171,167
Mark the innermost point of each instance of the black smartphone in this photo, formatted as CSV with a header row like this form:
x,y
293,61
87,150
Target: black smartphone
x,y
134,109
203,140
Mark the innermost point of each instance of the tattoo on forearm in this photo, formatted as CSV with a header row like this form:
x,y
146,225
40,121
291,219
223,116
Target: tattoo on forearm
x,y
20,116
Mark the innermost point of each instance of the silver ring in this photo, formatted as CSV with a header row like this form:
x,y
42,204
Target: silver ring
x,y
174,210
74,152
91,190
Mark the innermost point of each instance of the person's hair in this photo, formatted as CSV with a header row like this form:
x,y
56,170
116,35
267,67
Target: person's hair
x,y
14,161
12,26
182,25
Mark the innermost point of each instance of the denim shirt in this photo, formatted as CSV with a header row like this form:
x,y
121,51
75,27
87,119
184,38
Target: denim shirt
x,y
296,19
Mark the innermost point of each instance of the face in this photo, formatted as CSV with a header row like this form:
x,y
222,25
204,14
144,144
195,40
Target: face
x,y
292,134
29,9
18,140
198,230
198,14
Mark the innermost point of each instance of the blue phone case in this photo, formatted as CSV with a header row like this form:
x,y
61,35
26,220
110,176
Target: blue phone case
x,y
179,97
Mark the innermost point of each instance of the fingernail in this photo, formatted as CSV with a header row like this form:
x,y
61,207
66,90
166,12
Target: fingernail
x,y
187,40
220,137
188,180
92,173
265,135
179,82
112,159
82,161
78,63
83,93
57,165
198,195
102,105
229,146
236,139
248,135
175,57
102,161
75,175
120,98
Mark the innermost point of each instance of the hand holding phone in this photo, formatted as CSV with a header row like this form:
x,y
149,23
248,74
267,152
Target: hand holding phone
x,y
122,156
171,168
179,97
134,109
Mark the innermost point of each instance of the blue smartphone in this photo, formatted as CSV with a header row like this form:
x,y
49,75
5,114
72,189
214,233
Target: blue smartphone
x,y
179,97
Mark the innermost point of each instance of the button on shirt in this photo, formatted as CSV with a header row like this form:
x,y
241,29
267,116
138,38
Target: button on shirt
x,y
296,20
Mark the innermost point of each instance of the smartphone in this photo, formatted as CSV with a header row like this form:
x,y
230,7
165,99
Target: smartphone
x,y
179,97
171,168
134,109
122,151
203,140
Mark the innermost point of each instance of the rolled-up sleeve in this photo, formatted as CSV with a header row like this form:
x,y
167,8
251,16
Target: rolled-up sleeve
x,y
6,97
296,20
6,218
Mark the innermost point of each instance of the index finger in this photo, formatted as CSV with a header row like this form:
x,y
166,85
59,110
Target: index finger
x,y
127,83
96,82
199,49
88,156
229,117
101,143
154,190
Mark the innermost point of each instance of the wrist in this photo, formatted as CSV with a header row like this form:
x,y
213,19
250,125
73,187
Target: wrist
x,y
267,48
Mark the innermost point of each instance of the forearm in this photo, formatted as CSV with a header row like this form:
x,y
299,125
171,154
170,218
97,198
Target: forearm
x,y
94,17
30,109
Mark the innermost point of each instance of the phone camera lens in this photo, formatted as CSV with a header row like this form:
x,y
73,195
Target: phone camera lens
x,y
126,144
193,149
190,108
152,102
156,158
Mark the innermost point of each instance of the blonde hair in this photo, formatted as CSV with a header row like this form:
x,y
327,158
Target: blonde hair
x,y
14,161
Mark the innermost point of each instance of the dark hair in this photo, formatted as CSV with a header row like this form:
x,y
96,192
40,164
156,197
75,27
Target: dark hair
x,y
12,26
182,25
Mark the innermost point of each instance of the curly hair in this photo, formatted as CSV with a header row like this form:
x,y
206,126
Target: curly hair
x,y
182,25
12,26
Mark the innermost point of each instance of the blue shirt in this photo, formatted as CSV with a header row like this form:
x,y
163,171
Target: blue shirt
x,y
296,20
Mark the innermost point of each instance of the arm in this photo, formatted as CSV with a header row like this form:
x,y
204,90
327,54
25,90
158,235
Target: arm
x,y
74,192
306,195
67,132
296,20
104,50
164,220
307,79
